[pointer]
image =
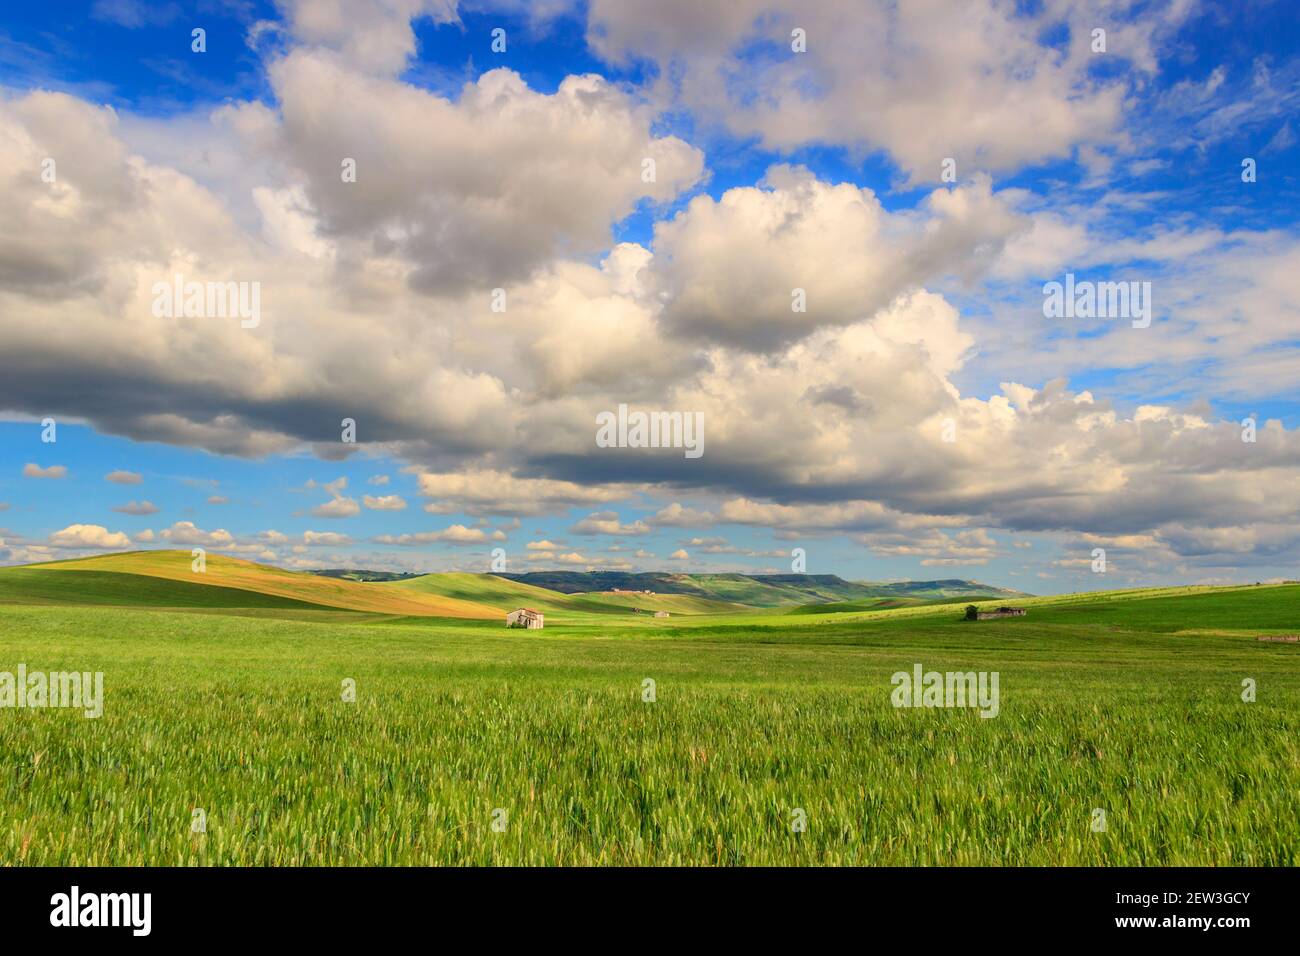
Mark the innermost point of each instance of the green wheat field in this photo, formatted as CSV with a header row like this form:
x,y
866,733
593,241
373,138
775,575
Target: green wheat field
x,y
226,696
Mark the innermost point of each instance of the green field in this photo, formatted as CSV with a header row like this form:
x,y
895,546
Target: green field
x,y
216,699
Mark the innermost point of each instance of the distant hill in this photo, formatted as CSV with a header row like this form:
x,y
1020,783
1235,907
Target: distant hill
x,y
948,588
491,590
882,604
505,594
757,590
165,579
356,574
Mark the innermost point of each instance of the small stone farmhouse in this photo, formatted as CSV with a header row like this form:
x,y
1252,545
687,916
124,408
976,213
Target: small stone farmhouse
x,y
524,617
661,613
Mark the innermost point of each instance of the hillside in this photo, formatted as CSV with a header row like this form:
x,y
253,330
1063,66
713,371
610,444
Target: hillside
x,y
165,579
869,604
45,586
948,588
226,583
505,594
493,591
1190,609
673,603
757,590
357,574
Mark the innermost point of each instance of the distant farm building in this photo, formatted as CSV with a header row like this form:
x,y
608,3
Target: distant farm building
x,y
524,617
1280,638
628,591
661,613
975,614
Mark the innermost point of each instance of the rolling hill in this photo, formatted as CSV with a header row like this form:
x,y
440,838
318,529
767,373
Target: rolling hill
x,y
492,591
355,574
673,603
505,594
758,590
45,586
225,583
164,579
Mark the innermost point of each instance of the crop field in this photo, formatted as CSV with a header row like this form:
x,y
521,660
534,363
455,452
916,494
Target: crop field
x,y
468,743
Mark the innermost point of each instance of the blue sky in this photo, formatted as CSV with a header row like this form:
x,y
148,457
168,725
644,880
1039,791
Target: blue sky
x,y
1124,165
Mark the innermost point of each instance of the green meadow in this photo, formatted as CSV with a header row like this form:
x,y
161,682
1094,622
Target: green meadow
x,y
231,701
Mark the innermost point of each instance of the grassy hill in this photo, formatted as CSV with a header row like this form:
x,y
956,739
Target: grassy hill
x,y
505,594
356,574
1227,610
756,590
495,592
253,584
36,585
1257,609
776,590
942,590
870,604
165,579
672,603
